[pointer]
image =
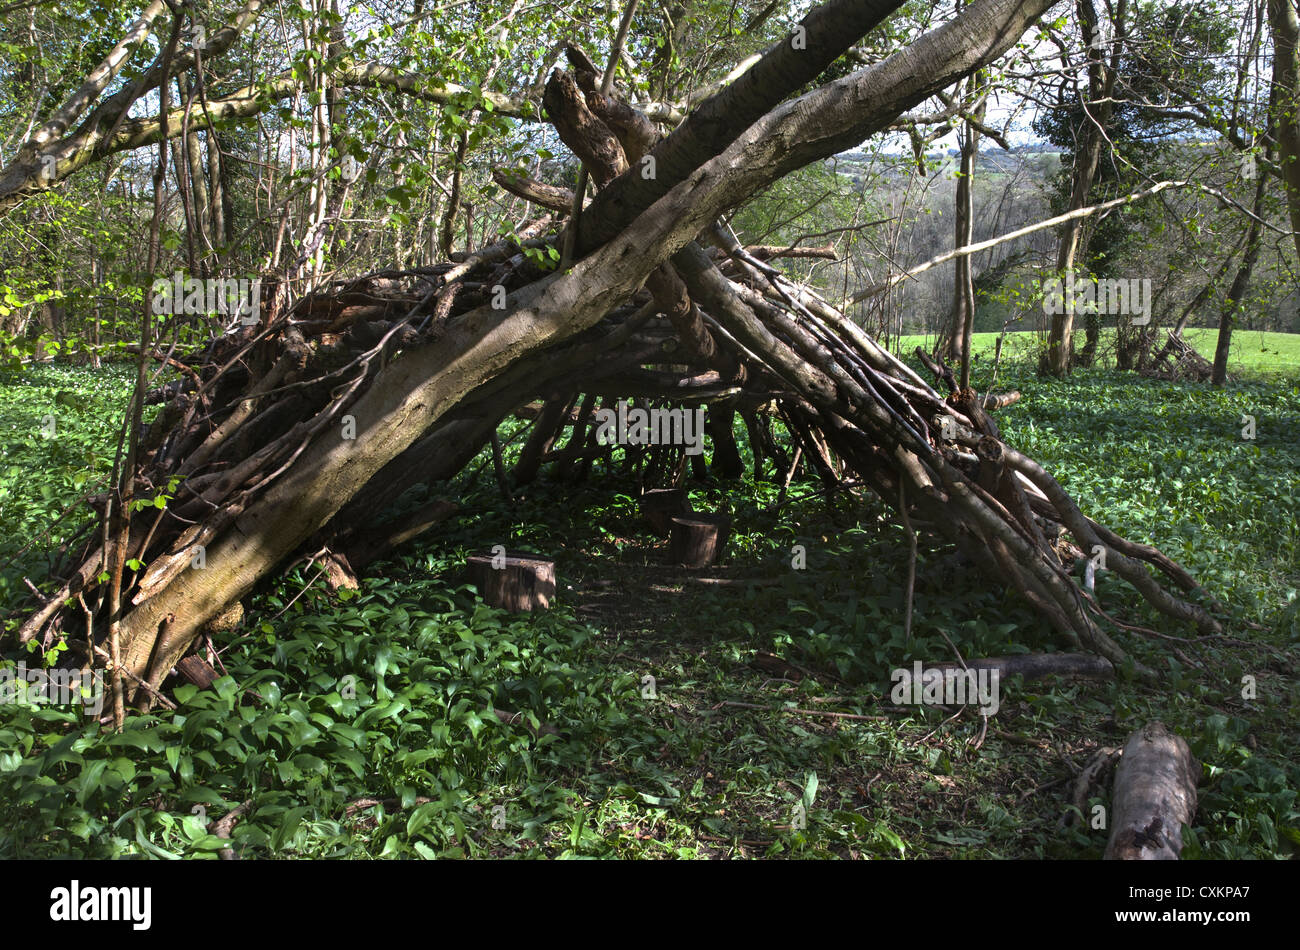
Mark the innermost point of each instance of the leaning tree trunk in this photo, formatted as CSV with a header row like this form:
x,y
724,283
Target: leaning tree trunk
x,y
294,436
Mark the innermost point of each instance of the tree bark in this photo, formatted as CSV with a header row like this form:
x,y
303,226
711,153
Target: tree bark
x,y
1233,304
1155,795
963,305
1097,110
1284,22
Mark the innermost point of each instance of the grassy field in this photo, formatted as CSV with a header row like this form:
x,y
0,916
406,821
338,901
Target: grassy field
x,y
651,715
1254,352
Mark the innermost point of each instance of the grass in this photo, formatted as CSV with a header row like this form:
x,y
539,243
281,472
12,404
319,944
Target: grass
x,y
362,724
1254,352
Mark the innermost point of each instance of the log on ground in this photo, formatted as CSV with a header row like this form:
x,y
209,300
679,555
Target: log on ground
x,y
1155,795
1034,666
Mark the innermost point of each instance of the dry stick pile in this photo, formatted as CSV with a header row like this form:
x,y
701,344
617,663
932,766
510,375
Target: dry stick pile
x,y
725,328
1177,360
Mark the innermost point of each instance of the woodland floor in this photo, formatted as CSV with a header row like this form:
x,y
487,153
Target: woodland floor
x,y
682,774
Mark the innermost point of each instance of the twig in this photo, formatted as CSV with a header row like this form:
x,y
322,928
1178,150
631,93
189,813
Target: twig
x,y
226,824
803,712
785,486
105,655
1043,788
40,598
361,804
911,563
968,249
752,842
1022,740
941,725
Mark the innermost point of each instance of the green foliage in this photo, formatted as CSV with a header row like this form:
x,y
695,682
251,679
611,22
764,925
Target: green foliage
x,y
364,724
59,428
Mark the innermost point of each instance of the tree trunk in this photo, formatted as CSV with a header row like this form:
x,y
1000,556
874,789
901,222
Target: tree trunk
x,y
1284,22
726,456
1087,158
1240,284
963,298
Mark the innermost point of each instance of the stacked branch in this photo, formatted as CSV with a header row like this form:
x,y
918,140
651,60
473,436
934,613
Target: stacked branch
x,y
1178,360
291,438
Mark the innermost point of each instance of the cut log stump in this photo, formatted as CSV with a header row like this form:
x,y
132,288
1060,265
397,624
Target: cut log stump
x,y
660,505
1155,795
515,582
699,540
196,671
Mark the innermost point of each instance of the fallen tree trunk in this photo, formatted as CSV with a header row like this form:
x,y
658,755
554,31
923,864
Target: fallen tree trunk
x,y
1155,795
